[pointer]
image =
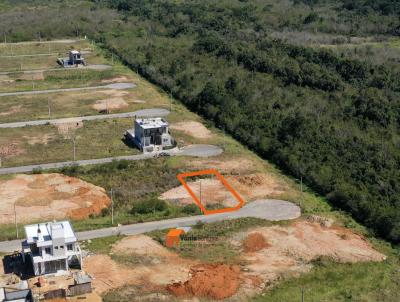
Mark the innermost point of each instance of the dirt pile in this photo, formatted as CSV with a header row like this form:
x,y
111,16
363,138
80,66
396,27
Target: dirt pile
x,y
192,128
215,281
165,268
254,243
49,196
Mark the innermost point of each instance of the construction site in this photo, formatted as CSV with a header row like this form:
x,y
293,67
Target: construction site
x,y
90,171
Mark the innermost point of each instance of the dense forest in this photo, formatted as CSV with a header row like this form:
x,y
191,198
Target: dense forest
x,y
330,118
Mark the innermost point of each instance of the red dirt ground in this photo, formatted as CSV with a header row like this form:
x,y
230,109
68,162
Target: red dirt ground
x,y
49,196
215,281
254,243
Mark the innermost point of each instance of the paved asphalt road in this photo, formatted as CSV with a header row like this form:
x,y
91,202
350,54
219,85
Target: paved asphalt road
x,y
193,150
109,86
144,113
92,67
63,41
268,209
47,54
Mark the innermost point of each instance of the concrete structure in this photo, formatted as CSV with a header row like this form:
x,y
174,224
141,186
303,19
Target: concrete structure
x,y
150,134
75,58
51,247
21,295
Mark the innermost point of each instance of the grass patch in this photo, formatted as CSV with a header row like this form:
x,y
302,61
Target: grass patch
x,y
101,245
334,282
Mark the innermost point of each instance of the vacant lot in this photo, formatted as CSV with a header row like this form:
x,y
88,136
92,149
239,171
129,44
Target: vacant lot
x,y
48,197
136,261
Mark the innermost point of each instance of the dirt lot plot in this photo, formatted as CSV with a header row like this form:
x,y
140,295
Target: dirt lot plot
x,y
192,128
49,196
213,192
268,254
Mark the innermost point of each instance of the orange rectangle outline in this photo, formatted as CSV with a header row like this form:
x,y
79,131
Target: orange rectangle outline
x,y
181,177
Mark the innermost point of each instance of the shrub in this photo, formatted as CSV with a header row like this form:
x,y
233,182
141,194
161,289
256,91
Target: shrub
x,y
149,206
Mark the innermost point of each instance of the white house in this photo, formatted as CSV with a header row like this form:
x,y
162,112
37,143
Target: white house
x,y
150,134
51,247
75,58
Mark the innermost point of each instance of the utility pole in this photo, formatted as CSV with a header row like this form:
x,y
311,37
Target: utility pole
x,y
73,141
302,294
301,184
5,38
112,58
33,83
15,220
48,104
200,191
170,101
112,207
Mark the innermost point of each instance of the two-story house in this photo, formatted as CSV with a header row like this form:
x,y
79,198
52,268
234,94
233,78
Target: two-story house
x,y
150,134
51,247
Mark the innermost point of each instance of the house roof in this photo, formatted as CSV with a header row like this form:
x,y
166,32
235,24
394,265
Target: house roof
x,y
149,123
48,231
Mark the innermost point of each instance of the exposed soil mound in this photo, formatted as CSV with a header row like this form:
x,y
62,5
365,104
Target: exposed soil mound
x,y
214,281
254,243
49,196
293,248
192,128
141,245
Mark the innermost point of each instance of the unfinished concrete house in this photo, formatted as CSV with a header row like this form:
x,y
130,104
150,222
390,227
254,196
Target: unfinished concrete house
x,y
51,247
75,59
150,134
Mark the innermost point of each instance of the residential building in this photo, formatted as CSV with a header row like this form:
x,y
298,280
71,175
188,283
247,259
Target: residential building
x,y
51,247
150,134
75,58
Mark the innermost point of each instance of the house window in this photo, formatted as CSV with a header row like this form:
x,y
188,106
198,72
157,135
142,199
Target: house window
x,y
47,250
69,247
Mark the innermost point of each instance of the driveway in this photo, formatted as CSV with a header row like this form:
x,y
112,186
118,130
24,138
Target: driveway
x,y
269,209
153,112
109,86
